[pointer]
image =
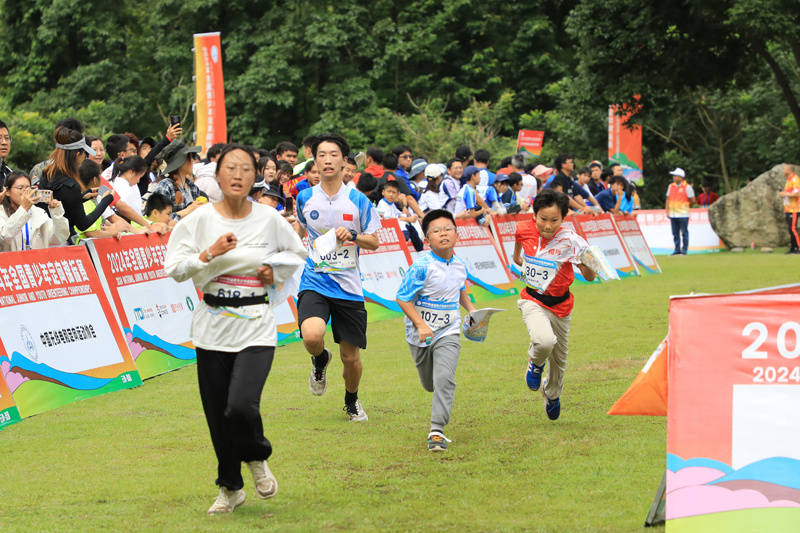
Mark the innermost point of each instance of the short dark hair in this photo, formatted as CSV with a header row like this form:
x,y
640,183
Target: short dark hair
x,y
214,150
308,140
454,160
230,148
505,162
560,160
88,171
157,202
375,153
285,167
514,178
389,161
334,138
350,160
309,164
401,148
115,144
548,198
432,215
619,179
584,170
262,163
612,165
366,183
71,123
391,183
3,125
463,153
285,146
482,156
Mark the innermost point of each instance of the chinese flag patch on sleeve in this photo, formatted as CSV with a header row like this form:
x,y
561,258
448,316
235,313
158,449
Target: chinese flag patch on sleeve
x,y
347,217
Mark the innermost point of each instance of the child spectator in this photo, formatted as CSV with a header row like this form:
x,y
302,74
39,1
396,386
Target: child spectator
x,y
387,208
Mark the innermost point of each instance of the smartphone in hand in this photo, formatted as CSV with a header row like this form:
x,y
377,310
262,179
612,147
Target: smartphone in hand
x,y
174,119
45,196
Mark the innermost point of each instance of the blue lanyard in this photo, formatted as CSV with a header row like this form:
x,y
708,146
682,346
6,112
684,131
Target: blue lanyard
x,y
27,238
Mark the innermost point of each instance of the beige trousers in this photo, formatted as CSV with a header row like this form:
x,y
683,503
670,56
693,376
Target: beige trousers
x,y
549,336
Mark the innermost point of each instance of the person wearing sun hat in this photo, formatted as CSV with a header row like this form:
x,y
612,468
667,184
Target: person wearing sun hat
x,y
176,182
680,197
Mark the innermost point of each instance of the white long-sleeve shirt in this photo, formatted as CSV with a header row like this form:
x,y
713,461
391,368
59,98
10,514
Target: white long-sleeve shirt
x,y
41,232
263,233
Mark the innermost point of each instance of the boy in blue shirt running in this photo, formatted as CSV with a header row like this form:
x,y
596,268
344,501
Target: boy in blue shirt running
x,y
429,295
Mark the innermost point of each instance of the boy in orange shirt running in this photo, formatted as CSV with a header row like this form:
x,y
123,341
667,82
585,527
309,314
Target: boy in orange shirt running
x,y
546,252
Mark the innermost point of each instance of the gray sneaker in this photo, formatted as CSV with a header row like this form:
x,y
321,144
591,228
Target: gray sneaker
x,y
317,380
227,501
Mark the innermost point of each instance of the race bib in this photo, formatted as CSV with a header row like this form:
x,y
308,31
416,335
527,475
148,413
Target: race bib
x,y
539,273
342,258
436,314
237,287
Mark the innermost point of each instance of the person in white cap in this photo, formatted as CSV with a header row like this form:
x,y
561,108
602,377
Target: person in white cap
x,y
680,196
430,198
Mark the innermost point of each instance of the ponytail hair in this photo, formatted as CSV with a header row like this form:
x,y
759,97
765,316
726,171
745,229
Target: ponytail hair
x,y
64,161
124,164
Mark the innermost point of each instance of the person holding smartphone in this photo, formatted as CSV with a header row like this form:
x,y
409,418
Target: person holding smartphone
x,y
227,249
23,225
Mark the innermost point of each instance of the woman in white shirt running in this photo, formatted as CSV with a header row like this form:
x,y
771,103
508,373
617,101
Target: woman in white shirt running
x,y
24,226
226,248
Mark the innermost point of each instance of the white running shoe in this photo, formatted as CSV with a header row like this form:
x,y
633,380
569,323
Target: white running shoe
x,y
227,501
266,484
356,412
318,380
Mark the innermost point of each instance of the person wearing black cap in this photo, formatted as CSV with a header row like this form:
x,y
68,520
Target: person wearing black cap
x,y
177,185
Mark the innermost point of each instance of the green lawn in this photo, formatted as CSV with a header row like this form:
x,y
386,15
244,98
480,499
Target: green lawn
x,y
141,459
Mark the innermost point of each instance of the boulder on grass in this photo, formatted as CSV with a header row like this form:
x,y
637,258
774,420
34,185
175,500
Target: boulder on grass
x,y
753,214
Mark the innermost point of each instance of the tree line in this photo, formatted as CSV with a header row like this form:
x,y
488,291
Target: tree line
x,y
717,81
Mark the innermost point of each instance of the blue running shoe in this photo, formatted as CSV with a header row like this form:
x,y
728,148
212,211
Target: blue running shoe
x,y
534,375
553,408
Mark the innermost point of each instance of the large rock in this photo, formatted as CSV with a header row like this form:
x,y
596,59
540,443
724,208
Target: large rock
x,y
753,214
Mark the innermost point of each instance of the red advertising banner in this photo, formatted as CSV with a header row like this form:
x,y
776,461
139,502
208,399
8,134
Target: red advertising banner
x,y
154,310
632,234
530,141
60,340
733,462
625,144
601,231
484,257
382,270
209,91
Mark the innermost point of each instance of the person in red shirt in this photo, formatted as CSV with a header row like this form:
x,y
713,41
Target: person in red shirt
x,y
546,251
707,197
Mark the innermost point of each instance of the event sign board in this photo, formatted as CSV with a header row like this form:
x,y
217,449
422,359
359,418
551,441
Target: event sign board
x,y
625,144
60,340
637,245
209,91
9,414
154,310
733,460
530,141
657,231
484,258
601,231
382,270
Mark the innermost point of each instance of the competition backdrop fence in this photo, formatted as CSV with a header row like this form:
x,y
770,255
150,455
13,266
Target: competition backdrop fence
x,y
80,321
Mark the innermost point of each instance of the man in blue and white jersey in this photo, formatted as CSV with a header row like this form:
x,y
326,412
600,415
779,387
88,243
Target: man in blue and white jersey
x,y
331,284
429,295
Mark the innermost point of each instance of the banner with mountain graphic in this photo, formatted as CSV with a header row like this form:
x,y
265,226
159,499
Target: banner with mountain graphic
x,y
60,342
154,311
733,460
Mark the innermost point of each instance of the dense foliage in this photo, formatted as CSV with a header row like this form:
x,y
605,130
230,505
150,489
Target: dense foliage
x,y
718,80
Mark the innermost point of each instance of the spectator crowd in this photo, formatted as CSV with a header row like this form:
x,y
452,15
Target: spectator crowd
x,y
89,188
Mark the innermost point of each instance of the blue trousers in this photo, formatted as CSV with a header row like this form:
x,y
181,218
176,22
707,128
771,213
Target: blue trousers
x,y
680,232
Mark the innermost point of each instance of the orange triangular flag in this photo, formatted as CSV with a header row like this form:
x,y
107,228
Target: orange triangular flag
x,y
647,395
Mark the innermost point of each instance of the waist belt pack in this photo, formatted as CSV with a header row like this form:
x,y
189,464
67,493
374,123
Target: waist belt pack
x,y
219,301
549,301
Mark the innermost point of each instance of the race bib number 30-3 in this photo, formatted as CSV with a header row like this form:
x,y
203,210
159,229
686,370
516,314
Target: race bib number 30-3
x,y
437,314
539,273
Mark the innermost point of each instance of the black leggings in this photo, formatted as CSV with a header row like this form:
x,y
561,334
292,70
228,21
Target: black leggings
x,y
792,231
230,388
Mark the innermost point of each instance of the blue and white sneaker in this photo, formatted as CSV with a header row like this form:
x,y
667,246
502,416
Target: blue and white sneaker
x,y
534,375
552,408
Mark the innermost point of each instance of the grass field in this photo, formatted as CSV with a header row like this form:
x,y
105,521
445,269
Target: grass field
x,y
141,459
